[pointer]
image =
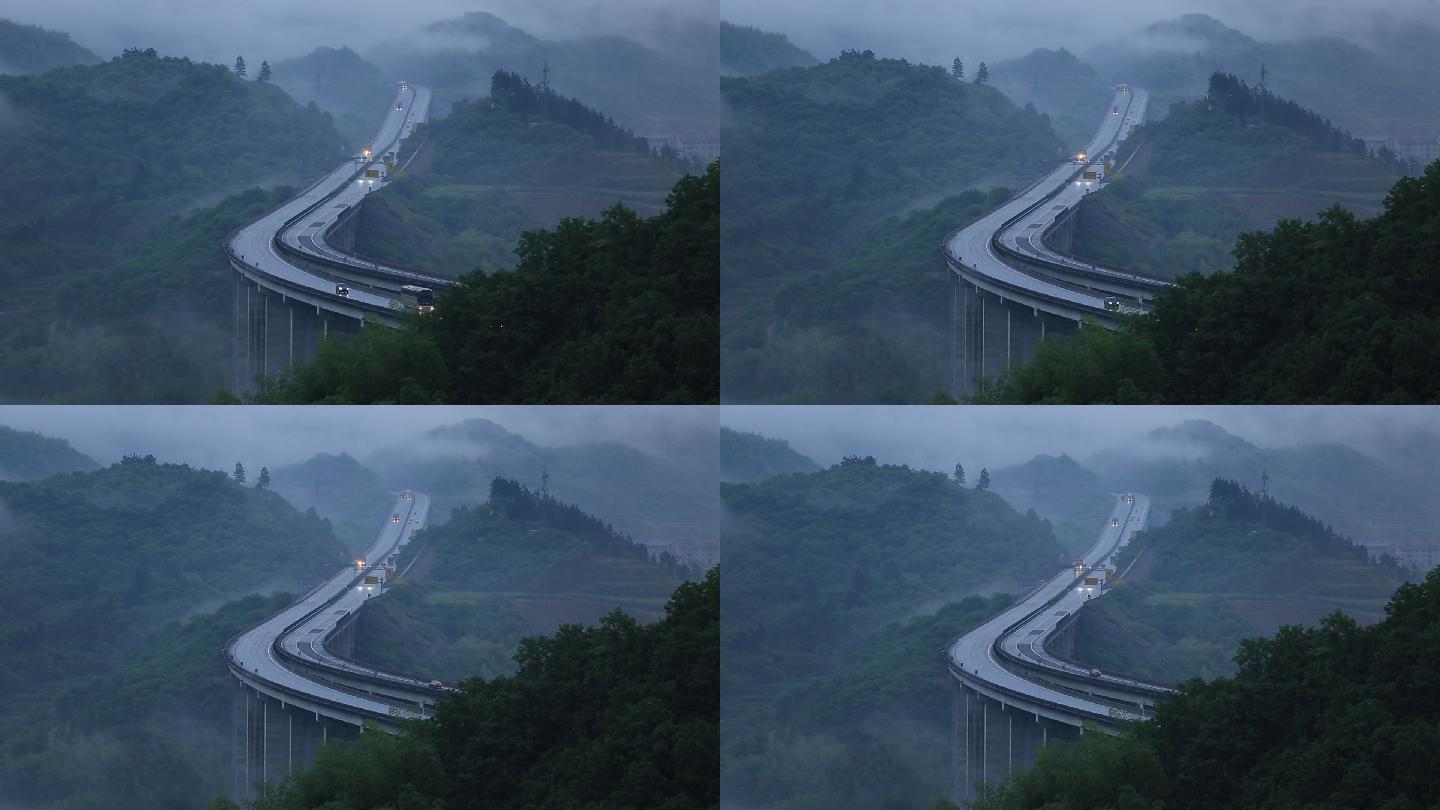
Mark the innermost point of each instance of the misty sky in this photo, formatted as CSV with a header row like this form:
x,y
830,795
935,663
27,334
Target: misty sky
x,y
279,29
934,438
216,437
935,31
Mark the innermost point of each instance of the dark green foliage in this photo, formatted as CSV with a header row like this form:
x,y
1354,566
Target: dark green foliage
x,y
26,456
752,457
830,679
621,715
1333,311
341,82
746,50
1070,92
105,694
32,49
613,310
1333,716
832,292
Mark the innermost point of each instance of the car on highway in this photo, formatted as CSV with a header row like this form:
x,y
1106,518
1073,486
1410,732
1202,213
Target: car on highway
x,y
1114,521
342,290
1095,673
399,106
1112,303
436,685
395,518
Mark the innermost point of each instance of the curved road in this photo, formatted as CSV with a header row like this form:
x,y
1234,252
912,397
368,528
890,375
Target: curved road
x,y
254,246
300,630
1035,209
1021,630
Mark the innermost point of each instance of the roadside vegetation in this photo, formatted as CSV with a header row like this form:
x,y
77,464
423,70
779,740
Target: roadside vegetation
x,y
619,715
615,310
1338,715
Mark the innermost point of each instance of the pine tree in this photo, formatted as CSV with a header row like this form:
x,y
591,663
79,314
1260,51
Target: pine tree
x,y
264,72
240,65
264,482
959,474
984,479
982,75
958,69
239,474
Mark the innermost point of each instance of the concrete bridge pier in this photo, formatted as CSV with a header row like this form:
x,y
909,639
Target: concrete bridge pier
x,y
990,333
274,331
273,740
991,739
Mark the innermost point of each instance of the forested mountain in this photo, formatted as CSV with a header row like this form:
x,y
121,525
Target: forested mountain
x,y
615,310
100,564
832,282
746,50
665,87
1072,92
32,49
1069,495
105,154
1240,565
832,686
520,564
654,494
341,490
522,158
752,457
1376,88
1238,159
1300,296
620,715
1338,715
341,82
27,456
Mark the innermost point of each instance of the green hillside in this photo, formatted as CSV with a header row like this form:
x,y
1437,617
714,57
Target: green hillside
x,y
1240,565
842,180
1240,158
101,564
106,155
1070,91
752,457
32,49
746,50
619,715
524,157
1070,496
27,456
840,588
521,564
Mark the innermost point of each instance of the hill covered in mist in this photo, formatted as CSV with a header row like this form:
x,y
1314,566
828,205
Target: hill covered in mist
x,y
752,457
746,51
840,588
341,82
32,49
102,565
841,180
27,456
101,157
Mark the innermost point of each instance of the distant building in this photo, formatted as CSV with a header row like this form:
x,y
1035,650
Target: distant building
x,y
697,554
702,148
1420,556
1422,150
